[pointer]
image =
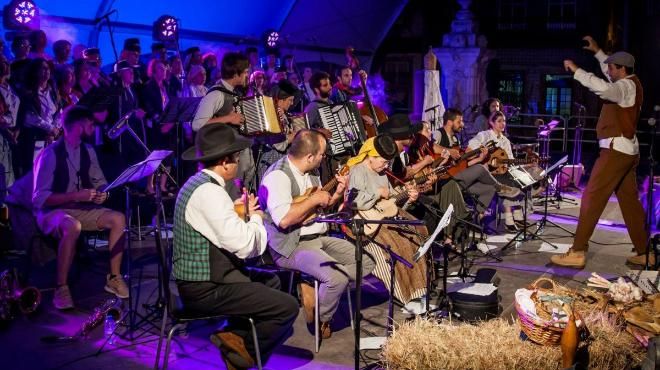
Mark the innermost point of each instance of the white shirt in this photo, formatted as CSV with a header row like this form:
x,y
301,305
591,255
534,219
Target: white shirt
x,y
210,211
279,198
211,103
484,137
621,92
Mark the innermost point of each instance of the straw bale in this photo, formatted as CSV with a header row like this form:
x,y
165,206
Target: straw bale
x,y
495,344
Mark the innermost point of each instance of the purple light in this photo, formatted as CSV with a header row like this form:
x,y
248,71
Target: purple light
x,y
169,27
272,39
25,12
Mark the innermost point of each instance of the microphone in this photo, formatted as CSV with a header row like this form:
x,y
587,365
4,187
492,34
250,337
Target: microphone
x,y
579,106
119,127
653,120
432,108
106,15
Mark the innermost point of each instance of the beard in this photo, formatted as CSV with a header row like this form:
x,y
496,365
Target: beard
x,y
324,94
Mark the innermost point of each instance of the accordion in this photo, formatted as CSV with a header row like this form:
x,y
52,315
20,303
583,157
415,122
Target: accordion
x,y
260,116
345,123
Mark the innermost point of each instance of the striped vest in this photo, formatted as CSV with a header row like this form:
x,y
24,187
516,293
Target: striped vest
x,y
195,258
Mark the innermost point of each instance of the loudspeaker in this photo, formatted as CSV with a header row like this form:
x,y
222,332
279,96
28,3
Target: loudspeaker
x,y
570,175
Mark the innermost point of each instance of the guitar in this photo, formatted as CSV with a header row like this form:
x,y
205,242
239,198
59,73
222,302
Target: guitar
x,y
455,166
499,161
399,198
329,186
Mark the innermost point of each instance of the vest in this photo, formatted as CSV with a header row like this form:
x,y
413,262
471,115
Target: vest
x,y
615,121
283,241
195,258
61,175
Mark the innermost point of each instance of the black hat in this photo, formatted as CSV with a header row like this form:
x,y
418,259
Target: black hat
x,y
132,44
399,126
91,52
284,89
385,146
121,65
215,141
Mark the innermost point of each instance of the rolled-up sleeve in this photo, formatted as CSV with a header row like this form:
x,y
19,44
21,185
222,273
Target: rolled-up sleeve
x,y
210,103
275,190
44,170
211,213
621,92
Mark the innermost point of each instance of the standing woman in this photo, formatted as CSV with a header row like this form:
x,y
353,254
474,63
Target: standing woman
x,y
9,103
487,108
368,184
38,114
154,100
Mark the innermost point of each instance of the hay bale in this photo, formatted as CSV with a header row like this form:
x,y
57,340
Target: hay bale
x,y
495,345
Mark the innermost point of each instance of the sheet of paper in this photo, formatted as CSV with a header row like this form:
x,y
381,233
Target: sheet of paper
x,y
499,238
561,248
485,248
444,221
372,342
480,289
416,307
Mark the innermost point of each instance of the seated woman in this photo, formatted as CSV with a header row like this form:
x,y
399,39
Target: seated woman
x,y
369,187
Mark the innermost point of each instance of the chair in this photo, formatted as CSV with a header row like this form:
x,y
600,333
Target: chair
x,y
266,262
180,317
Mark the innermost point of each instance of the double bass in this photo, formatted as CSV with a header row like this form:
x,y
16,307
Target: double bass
x,y
367,108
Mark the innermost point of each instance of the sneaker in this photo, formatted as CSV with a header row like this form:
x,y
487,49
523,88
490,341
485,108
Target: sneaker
x,y
116,286
507,191
641,260
62,299
326,331
575,259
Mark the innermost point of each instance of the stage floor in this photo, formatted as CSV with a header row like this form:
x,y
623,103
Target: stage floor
x,y
21,347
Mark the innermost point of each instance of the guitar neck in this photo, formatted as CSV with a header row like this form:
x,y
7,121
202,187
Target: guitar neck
x,y
330,185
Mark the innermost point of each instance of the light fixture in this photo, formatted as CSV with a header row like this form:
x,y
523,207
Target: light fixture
x,y
272,39
166,29
21,15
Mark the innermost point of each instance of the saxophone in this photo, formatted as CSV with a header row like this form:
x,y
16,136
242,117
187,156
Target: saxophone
x,y
109,307
26,299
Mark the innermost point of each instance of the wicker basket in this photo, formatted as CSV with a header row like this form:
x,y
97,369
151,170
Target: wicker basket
x,y
538,330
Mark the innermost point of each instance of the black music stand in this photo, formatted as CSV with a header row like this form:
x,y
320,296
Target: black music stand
x,y
177,111
357,227
544,220
132,174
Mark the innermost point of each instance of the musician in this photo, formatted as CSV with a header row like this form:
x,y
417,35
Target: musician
x,y
342,91
9,131
92,57
368,186
217,106
210,243
320,83
615,169
487,108
67,199
274,147
307,88
258,85
61,52
475,178
497,123
402,168
301,247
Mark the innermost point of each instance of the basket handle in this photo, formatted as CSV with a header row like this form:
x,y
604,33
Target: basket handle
x,y
537,282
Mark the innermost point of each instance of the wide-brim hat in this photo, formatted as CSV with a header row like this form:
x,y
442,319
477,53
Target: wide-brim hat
x,y
385,146
215,141
400,126
122,65
284,89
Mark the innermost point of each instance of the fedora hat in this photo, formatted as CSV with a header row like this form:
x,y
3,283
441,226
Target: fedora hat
x,y
215,141
399,126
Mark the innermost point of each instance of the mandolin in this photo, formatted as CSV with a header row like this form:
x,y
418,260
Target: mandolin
x,y
499,161
329,186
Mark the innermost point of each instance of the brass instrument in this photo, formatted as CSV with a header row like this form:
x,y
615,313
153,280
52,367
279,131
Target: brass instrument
x,y
12,296
110,306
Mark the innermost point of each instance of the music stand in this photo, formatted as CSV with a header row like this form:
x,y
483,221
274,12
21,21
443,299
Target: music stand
x,y
177,111
136,172
544,220
357,227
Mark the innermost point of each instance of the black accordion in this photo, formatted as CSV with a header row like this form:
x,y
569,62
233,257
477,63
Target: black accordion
x,y
345,123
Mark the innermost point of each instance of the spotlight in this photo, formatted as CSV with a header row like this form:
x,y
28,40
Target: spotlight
x,y
166,29
21,15
272,39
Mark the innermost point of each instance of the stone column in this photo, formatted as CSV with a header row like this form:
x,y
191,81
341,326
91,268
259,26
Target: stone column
x,y
463,59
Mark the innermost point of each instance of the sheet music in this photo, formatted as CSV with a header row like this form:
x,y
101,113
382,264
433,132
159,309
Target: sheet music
x,y
444,221
552,168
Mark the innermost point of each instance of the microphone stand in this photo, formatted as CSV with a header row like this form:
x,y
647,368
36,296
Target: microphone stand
x,y
357,227
106,17
650,192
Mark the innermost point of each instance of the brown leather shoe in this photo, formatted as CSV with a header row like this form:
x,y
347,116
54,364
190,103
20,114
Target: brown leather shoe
x,y
307,299
326,332
233,350
575,259
641,260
